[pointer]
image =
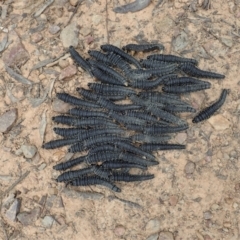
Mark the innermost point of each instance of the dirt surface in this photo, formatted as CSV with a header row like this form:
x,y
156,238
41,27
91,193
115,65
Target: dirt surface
x,y
195,193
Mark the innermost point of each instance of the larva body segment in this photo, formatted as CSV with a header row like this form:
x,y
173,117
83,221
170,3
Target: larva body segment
x,y
71,163
209,111
149,84
116,107
144,138
143,47
171,58
129,147
80,60
183,81
109,71
119,62
156,130
68,132
192,70
186,89
142,115
157,97
107,89
93,180
132,158
102,173
160,71
120,52
83,122
179,108
147,63
126,177
122,164
164,115
104,147
85,113
102,156
150,147
59,143
106,78
70,175
89,143
76,101
126,119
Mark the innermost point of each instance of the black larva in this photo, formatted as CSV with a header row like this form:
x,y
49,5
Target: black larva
x,y
192,70
183,81
71,163
143,47
107,89
76,101
126,177
86,113
106,78
149,84
116,107
209,111
80,60
156,130
186,89
120,52
109,71
122,164
144,138
150,147
102,124
83,122
68,132
123,119
171,58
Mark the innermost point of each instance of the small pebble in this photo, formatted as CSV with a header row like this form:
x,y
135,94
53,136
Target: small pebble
x,y
96,19
36,37
215,207
69,35
119,231
153,237
29,151
13,210
42,166
153,226
53,29
173,200
63,63
189,168
85,31
29,218
68,72
48,221
181,138
219,122
166,236
74,2
15,55
207,215
7,120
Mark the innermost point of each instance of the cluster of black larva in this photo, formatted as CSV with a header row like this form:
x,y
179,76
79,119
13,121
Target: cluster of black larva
x,y
118,136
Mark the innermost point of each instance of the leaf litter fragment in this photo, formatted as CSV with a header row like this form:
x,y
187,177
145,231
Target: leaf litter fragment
x,y
18,77
136,6
43,7
42,127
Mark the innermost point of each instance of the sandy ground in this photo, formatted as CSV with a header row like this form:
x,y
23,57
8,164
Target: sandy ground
x,y
200,203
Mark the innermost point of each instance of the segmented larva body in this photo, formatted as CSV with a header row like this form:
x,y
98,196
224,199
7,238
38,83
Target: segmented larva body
x,y
209,111
143,47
